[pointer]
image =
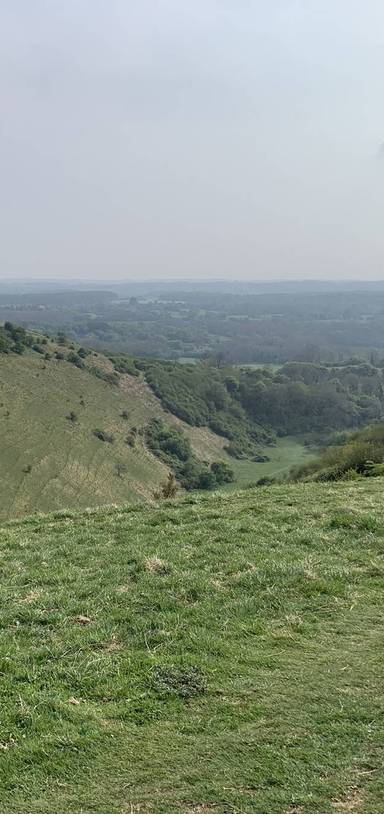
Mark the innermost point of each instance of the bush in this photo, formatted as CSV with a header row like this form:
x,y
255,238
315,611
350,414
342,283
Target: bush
x,y
125,365
107,376
361,453
75,359
174,449
169,487
104,436
206,480
222,472
131,437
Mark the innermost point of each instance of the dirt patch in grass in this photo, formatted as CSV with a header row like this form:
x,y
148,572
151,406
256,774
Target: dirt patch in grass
x,y
201,809
353,802
154,565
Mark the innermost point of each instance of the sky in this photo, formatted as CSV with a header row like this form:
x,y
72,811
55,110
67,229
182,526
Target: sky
x,y
231,139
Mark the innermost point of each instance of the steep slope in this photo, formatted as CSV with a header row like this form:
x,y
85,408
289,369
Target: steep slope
x,y
51,457
49,461
215,655
50,408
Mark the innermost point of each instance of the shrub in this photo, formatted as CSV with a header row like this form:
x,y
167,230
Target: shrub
x,y
75,359
125,365
131,437
206,480
222,472
174,449
107,376
169,487
104,436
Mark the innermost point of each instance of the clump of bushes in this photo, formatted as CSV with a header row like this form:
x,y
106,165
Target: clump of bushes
x,y
75,359
109,376
222,472
205,396
124,364
172,447
14,339
360,455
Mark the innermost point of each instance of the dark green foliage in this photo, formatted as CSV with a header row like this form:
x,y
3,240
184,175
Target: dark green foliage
x,y
124,364
312,398
222,472
206,480
172,447
248,406
15,340
75,359
199,395
360,454
106,375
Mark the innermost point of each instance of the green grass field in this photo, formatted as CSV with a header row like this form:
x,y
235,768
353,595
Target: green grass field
x,y
216,655
288,452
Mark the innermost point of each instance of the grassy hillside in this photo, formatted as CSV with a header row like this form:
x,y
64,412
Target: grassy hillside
x,y
215,655
50,457
49,461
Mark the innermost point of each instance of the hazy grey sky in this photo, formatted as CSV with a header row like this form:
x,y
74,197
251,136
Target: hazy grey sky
x,y
205,138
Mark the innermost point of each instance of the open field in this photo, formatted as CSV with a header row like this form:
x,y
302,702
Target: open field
x,y
214,655
288,452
